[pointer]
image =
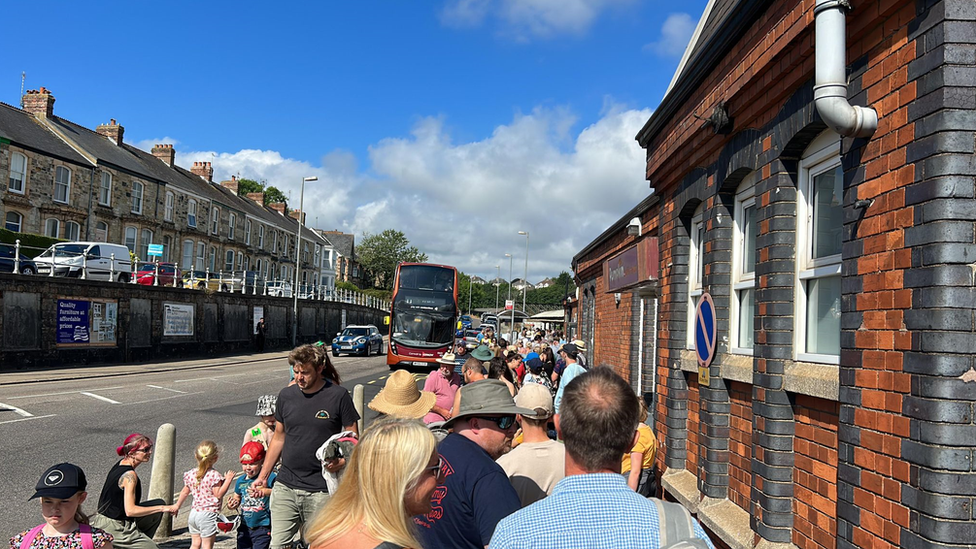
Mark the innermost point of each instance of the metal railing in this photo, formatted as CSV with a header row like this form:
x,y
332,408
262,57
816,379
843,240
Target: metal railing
x,y
156,273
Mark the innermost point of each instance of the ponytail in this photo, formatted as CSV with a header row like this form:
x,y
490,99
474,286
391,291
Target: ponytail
x,y
206,455
133,442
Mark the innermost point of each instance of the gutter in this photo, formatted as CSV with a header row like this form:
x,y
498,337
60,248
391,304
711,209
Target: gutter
x,y
830,87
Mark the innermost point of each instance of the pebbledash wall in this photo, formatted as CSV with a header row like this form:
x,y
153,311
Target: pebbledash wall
x,y
839,410
221,322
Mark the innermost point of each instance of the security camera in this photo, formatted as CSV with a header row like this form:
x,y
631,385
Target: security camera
x,y
634,227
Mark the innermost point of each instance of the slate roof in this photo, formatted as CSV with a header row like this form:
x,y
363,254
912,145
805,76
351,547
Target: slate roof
x,y
102,148
342,242
25,131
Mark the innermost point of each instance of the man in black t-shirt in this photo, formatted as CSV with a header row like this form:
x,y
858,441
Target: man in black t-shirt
x,y
306,415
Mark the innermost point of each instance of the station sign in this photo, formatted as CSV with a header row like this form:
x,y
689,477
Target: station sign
x,y
155,250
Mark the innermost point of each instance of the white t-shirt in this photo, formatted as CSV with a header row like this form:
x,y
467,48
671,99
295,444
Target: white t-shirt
x,y
534,468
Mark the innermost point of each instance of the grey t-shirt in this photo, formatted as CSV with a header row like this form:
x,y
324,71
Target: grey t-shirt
x,y
309,420
534,468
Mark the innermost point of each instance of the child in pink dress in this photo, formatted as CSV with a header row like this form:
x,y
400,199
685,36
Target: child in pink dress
x,y
208,489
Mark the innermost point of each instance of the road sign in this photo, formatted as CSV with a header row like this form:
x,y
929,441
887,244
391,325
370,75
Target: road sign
x,y
509,304
706,336
155,249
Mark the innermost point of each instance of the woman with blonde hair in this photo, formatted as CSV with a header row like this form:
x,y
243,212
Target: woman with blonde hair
x,y
390,478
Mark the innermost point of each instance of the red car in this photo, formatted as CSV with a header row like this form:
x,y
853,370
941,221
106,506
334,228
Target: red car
x,y
168,272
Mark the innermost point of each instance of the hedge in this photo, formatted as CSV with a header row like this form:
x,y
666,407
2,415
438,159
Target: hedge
x,y
31,245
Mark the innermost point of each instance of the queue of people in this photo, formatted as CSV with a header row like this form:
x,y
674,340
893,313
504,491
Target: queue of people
x,y
520,450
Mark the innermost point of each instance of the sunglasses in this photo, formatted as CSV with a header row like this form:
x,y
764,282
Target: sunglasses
x,y
503,422
146,449
438,469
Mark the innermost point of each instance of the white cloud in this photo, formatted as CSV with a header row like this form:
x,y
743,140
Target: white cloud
x,y
525,19
676,32
464,203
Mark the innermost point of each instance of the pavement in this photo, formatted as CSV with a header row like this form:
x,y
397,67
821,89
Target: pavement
x,y
181,540
15,377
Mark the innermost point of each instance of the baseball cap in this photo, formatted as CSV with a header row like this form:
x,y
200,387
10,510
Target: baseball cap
x,y
485,398
252,452
570,350
61,481
535,397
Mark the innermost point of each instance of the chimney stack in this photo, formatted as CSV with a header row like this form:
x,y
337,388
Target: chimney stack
x,y
294,214
112,130
204,170
278,207
40,102
233,185
258,198
166,153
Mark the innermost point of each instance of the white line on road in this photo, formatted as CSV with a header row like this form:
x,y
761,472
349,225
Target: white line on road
x,y
15,409
26,419
169,397
58,394
166,389
99,397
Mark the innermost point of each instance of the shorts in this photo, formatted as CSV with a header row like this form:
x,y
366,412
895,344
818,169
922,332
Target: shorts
x,y
258,537
202,523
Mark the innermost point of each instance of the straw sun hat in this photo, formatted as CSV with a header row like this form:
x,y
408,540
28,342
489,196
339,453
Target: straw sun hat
x,y
401,398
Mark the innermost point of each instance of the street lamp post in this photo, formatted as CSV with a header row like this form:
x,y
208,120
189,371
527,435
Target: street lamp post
x,y
298,260
512,333
469,296
498,275
525,280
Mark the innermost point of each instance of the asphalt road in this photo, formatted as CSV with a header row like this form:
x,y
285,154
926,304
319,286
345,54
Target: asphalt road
x,y
83,421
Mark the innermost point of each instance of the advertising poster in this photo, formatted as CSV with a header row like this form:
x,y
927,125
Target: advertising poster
x,y
177,319
87,323
258,315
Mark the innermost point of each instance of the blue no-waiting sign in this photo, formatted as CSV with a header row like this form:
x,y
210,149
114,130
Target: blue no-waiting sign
x,y
706,336
155,249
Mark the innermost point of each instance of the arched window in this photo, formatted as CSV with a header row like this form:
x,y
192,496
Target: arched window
x,y
13,222
52,228
62,184
231,225
214,219
229,260
696,269
191,213
187,259
72,231
247,232
201,255
144,241
101,231
743,303
18,173
131,234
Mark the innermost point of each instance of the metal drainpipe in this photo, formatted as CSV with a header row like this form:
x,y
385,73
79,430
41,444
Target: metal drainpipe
x,y
91,206
830,89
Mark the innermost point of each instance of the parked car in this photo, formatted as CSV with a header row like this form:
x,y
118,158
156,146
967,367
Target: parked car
x,y
94,258
168,272
471,338
202,280
360,340
233,280
280,288
7,260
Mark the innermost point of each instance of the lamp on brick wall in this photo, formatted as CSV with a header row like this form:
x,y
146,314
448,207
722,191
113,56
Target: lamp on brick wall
x,y
616,298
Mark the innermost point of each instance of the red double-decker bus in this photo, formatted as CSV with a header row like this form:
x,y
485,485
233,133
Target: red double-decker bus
x,y
423,315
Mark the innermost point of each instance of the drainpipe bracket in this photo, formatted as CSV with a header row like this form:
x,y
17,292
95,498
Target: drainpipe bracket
x,y
831,4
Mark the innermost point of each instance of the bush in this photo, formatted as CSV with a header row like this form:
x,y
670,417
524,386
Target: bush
x,y
379,294
31,245
345,285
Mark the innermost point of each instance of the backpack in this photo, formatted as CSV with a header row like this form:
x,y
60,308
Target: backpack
x,y
86,536
677,527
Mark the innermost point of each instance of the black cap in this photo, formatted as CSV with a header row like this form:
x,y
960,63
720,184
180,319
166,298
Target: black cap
x,y
61,481
570,349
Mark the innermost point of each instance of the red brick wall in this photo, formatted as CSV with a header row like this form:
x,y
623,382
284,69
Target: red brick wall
x,y
612,330
694,436
815,473
740,445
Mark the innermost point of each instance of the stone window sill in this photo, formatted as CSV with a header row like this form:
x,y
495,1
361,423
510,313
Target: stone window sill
x,y
805,378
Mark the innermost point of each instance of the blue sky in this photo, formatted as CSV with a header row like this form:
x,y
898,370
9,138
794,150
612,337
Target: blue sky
x,y
459,122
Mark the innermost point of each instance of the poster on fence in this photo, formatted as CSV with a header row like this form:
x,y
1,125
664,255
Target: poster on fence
x,y
177,319
258,315
86,322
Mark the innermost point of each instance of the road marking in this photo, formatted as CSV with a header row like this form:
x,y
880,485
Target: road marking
x,y
18,411
99,397
58,394
26,419
166,389
168,397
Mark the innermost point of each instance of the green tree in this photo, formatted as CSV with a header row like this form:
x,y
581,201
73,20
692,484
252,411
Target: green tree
x,y
273,195
380,253
245,186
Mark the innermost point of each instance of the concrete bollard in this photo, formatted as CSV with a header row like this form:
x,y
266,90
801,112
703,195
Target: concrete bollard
x,y
161,483
357,401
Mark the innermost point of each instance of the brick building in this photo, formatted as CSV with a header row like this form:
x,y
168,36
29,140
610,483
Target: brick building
x,y
817,182
66,181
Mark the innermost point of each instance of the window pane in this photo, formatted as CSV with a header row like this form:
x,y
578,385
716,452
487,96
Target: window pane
x,y
51,228
747,314
18,170
12,222
130,238
700,245
169,207
105,191
828,212
101,231
749,228
61,183
187,255
191,214
137,197
73,231
823,316
229,260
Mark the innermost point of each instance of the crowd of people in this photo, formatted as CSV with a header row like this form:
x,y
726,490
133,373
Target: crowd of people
x,y
507,445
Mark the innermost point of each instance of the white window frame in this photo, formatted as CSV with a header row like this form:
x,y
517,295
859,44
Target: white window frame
x,y
229,265
7,223
284,249
22,180
201,258
191,213
231,225
135,239
274,243
260,237
104,232
57,227
145,239
167,246
105,190
212,259
247,232
187,258
214,220
72,231
60,182
821,156
138,192
695,279
257,265
741,281
240,261
170,201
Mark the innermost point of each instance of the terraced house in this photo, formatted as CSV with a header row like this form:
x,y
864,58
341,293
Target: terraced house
x,y
66,181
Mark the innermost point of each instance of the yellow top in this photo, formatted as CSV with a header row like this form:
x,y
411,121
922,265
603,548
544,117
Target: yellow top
x,y
646,445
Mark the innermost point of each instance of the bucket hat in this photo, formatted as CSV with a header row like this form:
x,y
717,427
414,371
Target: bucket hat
x,y
482,353
61,481
401,398
487,397
266,405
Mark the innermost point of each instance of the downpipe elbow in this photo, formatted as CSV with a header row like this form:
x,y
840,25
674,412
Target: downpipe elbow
x,y
842,117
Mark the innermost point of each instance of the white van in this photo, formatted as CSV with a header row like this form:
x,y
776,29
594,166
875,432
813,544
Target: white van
x,y
94,258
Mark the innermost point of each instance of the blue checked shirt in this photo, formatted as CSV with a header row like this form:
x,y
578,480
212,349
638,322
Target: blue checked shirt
x,y
585,511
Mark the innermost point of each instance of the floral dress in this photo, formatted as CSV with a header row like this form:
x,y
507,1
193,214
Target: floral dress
x,y
69,541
